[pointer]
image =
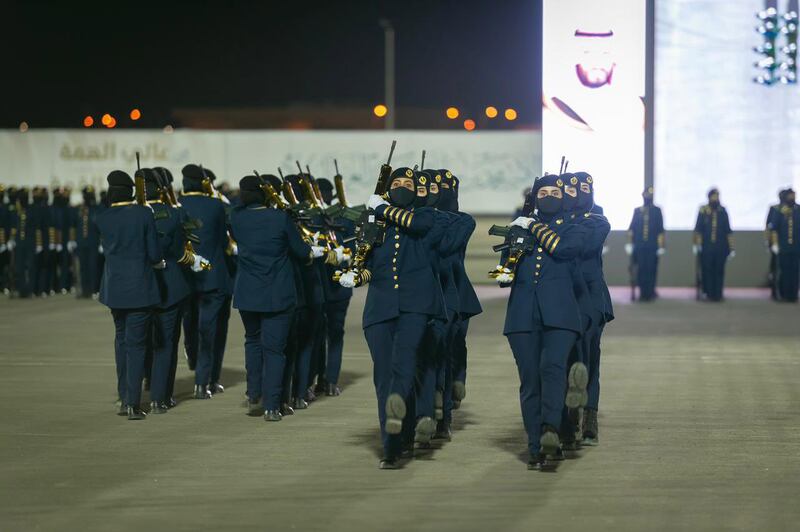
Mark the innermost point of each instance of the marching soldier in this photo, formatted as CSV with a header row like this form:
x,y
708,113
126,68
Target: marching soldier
x,y
645,245
713,242
403,295
174,289
44,240
211,288
129,286
63,217
785,246
772,215
264,292
337,300
543,319
87,239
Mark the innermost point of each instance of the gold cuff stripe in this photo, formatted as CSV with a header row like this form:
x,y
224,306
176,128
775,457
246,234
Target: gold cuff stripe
x,y
549,239
552,247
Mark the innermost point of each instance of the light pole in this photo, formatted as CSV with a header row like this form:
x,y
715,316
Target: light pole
x,y
388,74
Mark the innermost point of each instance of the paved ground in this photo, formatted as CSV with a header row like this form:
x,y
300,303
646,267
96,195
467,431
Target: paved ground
x,y
700,430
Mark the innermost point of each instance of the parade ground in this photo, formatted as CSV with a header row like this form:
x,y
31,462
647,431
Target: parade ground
x,y
699,430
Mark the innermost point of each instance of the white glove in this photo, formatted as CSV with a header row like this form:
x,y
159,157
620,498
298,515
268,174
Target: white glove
x,y
51,246
11,245
72,246
348,280
376,201
59,247
2,248
100,248
339,254
161,265
774,248
39,249
731,254
504,278
317,251
197,265
605,251
523,222
696,249
661,251
629,249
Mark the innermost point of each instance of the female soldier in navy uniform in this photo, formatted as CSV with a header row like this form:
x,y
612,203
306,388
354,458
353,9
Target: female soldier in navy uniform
x,y
264,292
713,241
543,318
403,296
129,286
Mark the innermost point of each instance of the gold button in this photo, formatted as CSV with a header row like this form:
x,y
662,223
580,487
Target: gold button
x,y
394,269
396,286
395,277
394,260
538,265
539,257
396,245
537,274
397,237
539,250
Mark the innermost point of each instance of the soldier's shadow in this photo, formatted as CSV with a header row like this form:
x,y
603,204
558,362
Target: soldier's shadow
x,y
370,439
230,378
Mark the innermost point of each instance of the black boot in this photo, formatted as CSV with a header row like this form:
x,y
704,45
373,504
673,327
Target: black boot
x,y
272,415
254,407
216,388
590,429
201,392
332,390
158,408
537,462
135,413
549,440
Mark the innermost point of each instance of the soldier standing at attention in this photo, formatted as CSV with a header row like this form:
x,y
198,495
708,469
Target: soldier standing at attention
x,y
646,244
87,238
713,241
129,286
785,246
211,288
22,241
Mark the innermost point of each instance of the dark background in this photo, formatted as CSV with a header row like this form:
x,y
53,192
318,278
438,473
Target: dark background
x,y
71,59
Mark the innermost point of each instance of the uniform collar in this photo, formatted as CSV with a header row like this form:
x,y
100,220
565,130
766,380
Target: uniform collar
x,y
123,203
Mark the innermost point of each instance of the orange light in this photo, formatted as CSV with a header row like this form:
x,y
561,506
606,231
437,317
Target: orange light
x,y
112,123
491,112
469,124
380,110
136,114
106,119
88,121
510,114
452,113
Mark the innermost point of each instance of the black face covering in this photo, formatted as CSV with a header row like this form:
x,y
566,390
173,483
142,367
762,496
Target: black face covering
x,y
402,197
790,199
23,199
433,198
648,200
549,205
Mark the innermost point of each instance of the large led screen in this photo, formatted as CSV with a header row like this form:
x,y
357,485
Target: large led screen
x,y
593,86
714,125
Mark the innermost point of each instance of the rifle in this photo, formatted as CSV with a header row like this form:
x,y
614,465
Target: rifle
x,y
138,178
315,206
170,192
422,162
371,231
338,181
519,241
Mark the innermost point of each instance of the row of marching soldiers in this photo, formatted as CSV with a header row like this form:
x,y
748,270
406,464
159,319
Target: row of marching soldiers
x,y
49,248
184,259
557,310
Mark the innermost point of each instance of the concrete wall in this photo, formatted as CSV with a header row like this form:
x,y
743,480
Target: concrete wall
x,y
747,269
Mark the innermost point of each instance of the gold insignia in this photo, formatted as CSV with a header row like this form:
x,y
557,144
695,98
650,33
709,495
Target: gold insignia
x,y
448,175
438,178
422,179
409,173
573,180
559,183
589,180
559,221
650,190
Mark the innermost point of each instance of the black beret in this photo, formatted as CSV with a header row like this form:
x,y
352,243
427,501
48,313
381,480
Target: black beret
x,y
403,171
324,184
192,172
550,180
166,175
118,178
211,175
250,182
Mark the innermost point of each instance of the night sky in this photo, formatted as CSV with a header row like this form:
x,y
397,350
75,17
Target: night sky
x,y
65,60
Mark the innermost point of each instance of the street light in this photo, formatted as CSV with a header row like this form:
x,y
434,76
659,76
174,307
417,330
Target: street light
x,y
388,73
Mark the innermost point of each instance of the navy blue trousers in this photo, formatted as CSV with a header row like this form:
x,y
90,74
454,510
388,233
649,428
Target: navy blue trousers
x,y
23,268
335,312
444,381
393,345
647,271
221,339
788,268
131,329
176,338
265,335
712,262
427,368
166,325
309,334
460,351
541,357
594,367
89,262
211,309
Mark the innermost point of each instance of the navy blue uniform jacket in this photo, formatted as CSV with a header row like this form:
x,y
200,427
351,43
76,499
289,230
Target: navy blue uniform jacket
x,y
550,286
213,237
265,280
130,244
173,281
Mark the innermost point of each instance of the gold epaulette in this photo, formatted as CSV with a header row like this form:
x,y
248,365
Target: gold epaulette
x,y
194,194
